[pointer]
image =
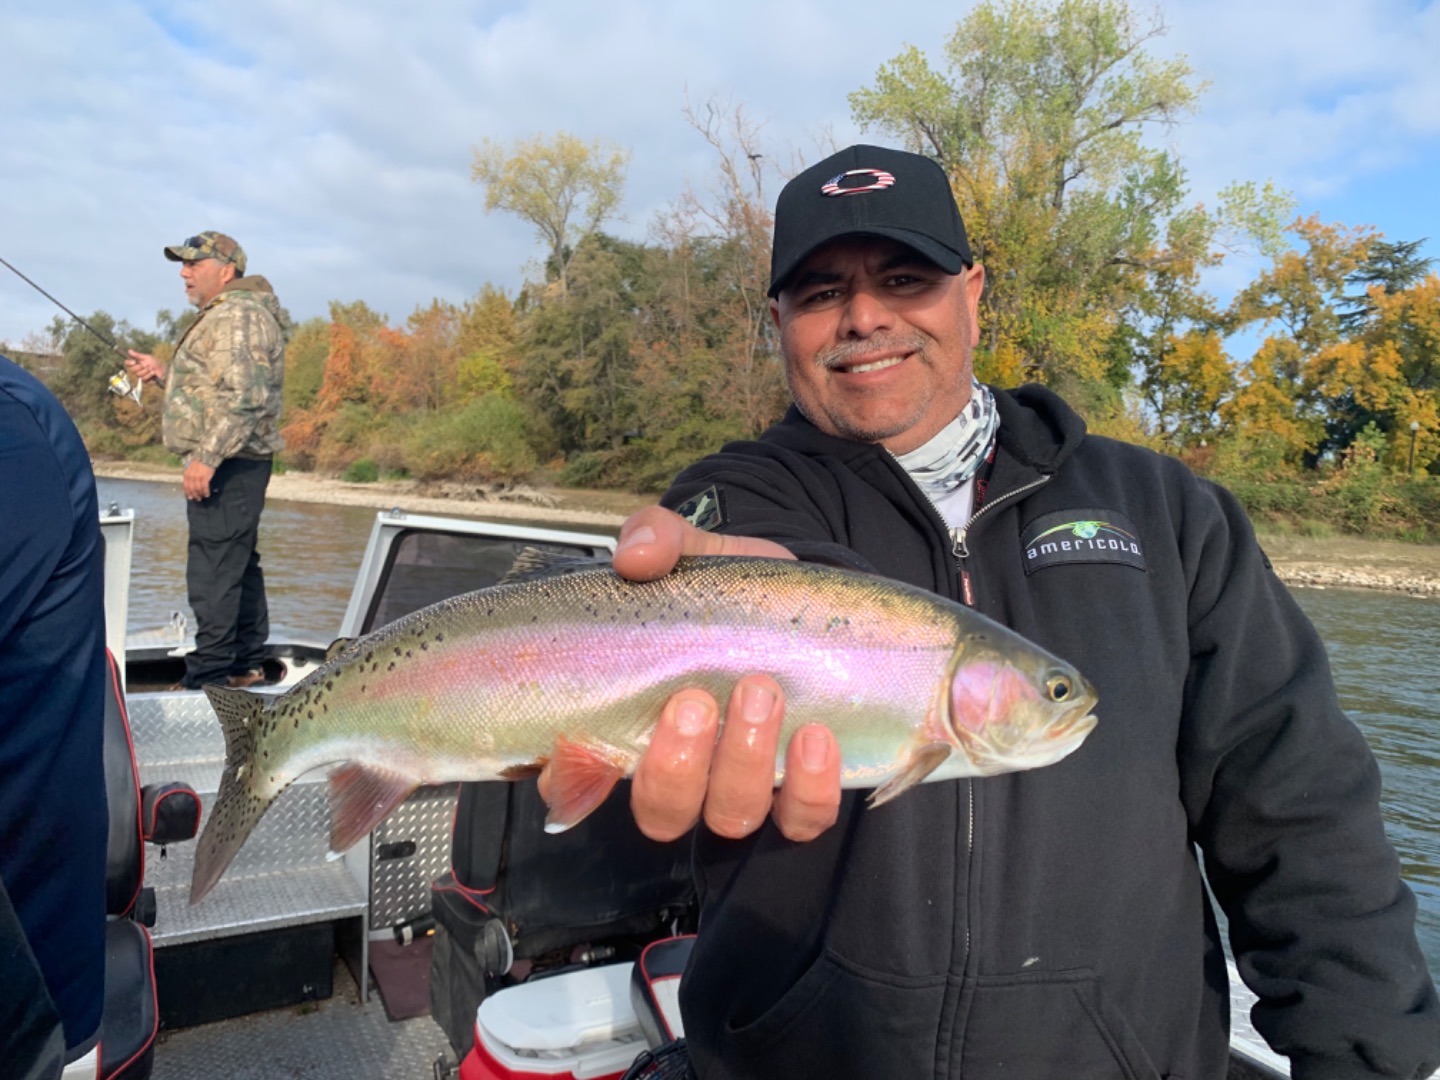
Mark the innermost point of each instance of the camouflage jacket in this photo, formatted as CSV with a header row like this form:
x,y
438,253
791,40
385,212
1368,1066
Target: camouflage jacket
x,y
222,393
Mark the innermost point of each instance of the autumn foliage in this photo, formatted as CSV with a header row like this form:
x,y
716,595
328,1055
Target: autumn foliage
x,y
620,361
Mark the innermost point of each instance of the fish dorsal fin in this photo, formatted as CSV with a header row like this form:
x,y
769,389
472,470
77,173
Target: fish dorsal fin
x,y
922,762
360,797
336,647
581,777
534,563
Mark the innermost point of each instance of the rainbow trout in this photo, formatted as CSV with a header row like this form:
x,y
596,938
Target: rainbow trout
x,y
573,669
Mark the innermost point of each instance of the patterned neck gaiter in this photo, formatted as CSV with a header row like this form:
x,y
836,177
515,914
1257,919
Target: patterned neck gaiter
x,y
956,452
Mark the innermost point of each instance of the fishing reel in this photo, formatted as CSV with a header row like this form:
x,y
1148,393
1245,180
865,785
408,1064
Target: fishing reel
x,y
122,384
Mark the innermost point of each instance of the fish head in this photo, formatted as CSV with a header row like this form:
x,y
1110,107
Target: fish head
x,y
1010,711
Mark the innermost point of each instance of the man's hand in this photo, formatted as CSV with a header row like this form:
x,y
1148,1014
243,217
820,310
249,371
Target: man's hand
x,y
686,773
145,367
197,481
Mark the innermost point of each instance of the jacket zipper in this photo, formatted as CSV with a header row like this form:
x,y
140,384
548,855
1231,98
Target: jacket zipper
x,y
961,552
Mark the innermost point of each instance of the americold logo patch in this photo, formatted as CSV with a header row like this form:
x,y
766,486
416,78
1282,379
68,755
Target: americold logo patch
x,y
1081,536
704,511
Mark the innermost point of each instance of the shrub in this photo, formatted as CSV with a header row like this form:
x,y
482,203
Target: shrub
x,y
363,471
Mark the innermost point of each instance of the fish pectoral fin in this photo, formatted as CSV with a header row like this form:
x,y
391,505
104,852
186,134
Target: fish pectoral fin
x,y
582,775
922,762
360,798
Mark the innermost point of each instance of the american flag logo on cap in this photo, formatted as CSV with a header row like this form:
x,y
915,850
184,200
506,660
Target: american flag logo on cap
x,y
882,181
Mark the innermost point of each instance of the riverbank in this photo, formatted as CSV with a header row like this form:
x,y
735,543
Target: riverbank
x,y
1314,562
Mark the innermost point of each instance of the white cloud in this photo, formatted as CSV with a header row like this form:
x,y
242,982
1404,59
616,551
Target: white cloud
x,y
334,138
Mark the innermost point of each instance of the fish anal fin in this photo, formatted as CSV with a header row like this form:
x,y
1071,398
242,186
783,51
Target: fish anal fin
x,y
922,762
582,775
360,798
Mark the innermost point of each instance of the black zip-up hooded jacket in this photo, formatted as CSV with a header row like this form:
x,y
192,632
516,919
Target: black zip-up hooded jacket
x,y
1054,923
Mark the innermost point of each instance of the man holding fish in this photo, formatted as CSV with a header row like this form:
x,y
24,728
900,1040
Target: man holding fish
x,y
1051,922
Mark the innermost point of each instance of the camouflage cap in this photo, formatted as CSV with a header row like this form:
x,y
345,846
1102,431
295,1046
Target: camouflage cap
x,y
208,245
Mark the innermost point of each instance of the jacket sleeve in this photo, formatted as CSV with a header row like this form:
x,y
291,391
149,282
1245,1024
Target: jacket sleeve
x,y
758,496
245,345
1282,796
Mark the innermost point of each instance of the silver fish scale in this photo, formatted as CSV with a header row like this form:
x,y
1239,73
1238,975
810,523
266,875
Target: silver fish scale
x,y
488,680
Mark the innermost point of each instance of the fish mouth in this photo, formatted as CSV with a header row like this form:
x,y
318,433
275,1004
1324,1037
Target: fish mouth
x,y
1030,746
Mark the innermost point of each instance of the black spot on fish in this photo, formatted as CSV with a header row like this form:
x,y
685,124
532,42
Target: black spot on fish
x,y
390,666
329,684
424,646
439,637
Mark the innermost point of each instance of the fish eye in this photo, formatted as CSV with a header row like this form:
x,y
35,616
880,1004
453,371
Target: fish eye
x,y
1059,688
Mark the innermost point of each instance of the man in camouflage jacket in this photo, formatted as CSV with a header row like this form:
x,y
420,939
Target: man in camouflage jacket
x,y
222,416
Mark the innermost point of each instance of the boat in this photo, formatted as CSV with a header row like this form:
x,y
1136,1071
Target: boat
x,y
431,948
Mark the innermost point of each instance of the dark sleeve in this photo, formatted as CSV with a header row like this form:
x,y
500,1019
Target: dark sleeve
x,y
32,1045
34,491
1282,795
742,492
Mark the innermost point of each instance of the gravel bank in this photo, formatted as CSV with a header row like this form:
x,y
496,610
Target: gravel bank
x,y
1336,562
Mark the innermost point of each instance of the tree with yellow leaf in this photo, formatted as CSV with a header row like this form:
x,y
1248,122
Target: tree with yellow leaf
x,y
565,187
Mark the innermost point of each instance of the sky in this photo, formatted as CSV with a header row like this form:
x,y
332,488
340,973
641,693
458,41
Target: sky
x,y
333,138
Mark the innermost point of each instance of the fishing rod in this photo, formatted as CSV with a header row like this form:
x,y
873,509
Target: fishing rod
x,y
119,382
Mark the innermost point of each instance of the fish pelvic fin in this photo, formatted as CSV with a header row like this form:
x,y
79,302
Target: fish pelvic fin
x,y
921,763
238,807
581,778
362,796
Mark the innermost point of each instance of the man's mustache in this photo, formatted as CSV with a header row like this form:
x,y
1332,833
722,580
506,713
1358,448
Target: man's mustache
x,y
853,352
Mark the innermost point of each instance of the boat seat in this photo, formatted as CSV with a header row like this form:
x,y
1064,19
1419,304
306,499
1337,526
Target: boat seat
x,y
655,988
160,814
519,902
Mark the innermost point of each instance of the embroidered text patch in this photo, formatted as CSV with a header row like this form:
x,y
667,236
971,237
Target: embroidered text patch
x,y
1081,536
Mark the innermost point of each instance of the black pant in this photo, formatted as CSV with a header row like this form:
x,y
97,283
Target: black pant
x,y
227,586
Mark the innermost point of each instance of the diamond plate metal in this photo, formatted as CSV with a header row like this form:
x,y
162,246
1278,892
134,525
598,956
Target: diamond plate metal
x,y
178,739
336,1039
400,888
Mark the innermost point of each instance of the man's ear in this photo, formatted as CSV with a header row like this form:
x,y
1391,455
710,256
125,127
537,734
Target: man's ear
x,y
974,290
775,312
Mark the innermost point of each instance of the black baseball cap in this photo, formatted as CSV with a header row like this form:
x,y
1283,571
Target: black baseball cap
x,y
872,190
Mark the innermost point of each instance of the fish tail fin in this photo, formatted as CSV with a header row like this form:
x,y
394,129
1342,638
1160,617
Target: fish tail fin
x,y
238,806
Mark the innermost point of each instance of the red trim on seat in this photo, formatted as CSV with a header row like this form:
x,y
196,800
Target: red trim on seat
x,y
470,896
134,775
119,1072
155,810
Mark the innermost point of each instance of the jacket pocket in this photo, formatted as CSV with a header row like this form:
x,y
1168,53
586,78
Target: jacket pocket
x,y
840,1020
1047,1024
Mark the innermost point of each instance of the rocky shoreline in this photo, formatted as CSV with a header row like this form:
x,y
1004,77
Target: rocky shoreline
x,y
1334,562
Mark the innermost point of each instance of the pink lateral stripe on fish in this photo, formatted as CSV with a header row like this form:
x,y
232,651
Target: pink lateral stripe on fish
x,y
572,669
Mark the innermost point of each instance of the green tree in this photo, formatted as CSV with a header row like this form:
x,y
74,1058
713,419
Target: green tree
x,y
565,187
305,355
1040,118
577,369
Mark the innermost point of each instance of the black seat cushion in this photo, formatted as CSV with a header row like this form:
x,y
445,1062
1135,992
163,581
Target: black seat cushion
x,y
132,1017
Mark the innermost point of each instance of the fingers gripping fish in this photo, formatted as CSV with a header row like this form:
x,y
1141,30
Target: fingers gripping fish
x,y
573,669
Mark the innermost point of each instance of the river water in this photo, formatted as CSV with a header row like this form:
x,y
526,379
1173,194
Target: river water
x,y
1384,648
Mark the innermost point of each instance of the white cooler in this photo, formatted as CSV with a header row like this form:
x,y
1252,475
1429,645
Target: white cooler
x,y
575,1026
